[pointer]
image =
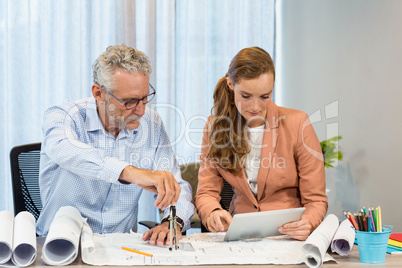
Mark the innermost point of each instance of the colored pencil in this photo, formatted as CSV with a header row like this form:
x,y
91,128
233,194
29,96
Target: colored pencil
x,y
137,251
365,211
372,220
354,221
364,224
348,217
377,223
366,220
359,221
374,217
379,219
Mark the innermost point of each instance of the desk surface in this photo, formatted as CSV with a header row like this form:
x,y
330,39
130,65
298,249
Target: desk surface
x,y
352,260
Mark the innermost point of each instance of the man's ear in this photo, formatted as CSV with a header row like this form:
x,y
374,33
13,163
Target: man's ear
x,y
98,93
229,82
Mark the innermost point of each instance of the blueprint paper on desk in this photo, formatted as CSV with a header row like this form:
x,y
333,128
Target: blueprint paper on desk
x,y
207,248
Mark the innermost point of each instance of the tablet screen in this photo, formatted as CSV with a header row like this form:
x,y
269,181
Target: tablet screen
x,y
261,224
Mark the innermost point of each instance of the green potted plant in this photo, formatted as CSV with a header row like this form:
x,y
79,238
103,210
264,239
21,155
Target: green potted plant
x,y
330,151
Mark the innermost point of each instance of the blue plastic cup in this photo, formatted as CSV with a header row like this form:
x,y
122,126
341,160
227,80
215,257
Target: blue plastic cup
x,y
373,245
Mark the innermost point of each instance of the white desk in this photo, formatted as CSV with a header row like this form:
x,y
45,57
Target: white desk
x,y
350,261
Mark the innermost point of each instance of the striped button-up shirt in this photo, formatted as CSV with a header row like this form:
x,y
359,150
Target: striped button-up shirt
x,y
81,163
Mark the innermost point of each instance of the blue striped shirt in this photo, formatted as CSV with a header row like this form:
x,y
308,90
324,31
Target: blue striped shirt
x,y
81,163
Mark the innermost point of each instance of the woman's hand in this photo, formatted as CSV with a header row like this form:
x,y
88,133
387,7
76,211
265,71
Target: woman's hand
x,y
219,220
299,230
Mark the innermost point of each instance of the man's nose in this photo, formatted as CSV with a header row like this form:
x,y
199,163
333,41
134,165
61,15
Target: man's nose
x,y
140,108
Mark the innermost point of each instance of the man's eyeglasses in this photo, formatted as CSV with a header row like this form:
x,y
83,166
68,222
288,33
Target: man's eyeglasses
x,y
131,104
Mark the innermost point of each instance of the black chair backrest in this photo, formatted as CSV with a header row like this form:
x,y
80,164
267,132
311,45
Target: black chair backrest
x,y
226,195
24,161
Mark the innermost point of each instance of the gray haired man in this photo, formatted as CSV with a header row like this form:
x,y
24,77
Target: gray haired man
x,y
100,153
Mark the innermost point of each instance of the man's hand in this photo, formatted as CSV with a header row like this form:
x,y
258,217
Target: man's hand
x,y
219,220
299,230
162,183
160,234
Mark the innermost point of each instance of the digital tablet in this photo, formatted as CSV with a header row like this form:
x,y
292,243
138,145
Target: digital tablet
x,y
261,224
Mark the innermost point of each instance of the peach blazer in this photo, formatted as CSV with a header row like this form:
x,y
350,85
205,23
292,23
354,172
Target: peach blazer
x,y
291,172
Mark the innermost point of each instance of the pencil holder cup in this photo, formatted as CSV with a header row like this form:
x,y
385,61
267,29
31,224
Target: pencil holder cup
x,y
373,245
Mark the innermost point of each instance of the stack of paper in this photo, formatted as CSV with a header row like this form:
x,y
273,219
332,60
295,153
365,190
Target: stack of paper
x,y
17,239
395,244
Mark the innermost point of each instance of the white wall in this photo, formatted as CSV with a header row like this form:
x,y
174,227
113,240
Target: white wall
x,y
347,55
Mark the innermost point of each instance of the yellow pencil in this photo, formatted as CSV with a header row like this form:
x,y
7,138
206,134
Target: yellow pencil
x,y
137,251
379,218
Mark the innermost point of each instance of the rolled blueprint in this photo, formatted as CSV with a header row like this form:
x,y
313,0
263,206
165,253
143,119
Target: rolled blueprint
x,y
344,238
62,241
6,236
24,246
318,242
17,239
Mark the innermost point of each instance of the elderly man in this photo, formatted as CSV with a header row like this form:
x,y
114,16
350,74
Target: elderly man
x,y
100,153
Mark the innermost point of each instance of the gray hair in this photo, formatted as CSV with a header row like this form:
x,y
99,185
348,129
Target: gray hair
x,y
119,57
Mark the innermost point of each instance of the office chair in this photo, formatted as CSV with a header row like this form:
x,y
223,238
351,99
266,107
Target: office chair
x,y
24,160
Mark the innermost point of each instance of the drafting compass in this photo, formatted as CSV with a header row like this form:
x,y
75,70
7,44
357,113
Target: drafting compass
x,y
173,228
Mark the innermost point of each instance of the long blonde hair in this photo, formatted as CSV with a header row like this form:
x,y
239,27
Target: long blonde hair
x,y
228,138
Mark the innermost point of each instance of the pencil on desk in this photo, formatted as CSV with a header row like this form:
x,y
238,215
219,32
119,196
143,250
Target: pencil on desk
x,y
137,251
